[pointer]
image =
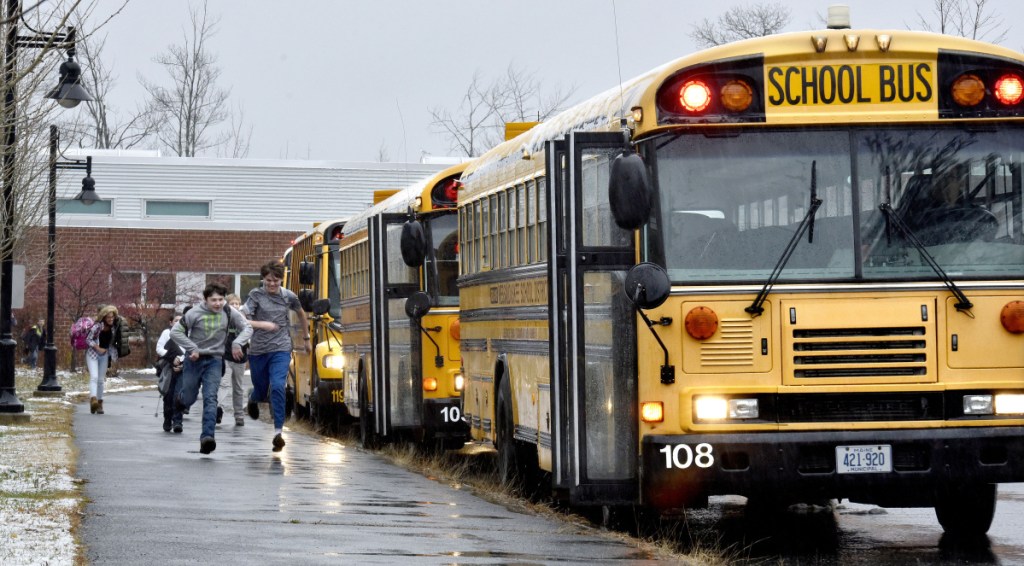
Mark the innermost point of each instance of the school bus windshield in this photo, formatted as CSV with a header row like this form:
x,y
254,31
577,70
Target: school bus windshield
x,y
729,205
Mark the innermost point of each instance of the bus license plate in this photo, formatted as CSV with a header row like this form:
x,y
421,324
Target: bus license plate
x,y
864,459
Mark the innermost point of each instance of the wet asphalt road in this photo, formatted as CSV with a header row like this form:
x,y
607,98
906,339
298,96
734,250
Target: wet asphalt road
x,y
152,498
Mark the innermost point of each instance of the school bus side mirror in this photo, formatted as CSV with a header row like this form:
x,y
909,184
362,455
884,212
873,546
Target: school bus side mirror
x,y
647,285
628,191
321,307
417,305
413,243
306,299
307,273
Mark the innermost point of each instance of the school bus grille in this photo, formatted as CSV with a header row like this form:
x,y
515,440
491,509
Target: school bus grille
x,y
859,408
859,352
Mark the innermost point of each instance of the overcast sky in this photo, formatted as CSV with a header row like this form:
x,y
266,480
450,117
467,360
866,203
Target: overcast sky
x,y
339,79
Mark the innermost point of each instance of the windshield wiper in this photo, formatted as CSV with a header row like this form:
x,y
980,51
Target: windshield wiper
x,y
891,218
806,225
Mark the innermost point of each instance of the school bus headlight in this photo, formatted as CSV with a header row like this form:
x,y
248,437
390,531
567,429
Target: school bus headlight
x,y
1009,89
652,412
333,361
737,96
1012,317
968,90
460,382
978,405
710,408
1009,404
430,384
743,409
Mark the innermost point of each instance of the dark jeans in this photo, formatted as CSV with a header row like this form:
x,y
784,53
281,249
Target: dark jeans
x,y
170,411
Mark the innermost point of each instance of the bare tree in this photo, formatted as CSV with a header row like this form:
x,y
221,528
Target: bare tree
x,y
972,19
193,105
103,126
383,155
239,136
479,121
741,22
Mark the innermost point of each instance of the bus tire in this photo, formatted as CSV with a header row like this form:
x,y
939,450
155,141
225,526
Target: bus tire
x,y
367,438
517,461
966,511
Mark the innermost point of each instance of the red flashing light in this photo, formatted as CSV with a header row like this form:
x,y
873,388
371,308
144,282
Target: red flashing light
x,y
1009,89
694,96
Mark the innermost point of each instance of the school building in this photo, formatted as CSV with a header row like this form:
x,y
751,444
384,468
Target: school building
x,y
166,226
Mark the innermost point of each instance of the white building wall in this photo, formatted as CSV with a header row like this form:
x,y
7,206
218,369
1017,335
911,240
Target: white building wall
x,y
244,194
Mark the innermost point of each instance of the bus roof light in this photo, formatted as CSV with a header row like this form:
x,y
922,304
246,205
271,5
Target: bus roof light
x,y
968,90
737,95
1009,89
694,96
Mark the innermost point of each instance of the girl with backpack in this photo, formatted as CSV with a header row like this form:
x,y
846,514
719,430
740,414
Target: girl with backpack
x,y
104,342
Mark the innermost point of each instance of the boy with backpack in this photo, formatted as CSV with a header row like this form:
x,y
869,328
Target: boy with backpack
x,y
201,335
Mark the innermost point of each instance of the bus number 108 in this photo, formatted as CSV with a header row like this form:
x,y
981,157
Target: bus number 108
x,y
682,456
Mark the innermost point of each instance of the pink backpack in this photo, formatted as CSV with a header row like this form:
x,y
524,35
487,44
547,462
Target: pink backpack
x,y
80,333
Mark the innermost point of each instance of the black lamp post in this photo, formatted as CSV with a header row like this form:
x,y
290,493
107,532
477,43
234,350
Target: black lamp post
x,y
73,93
87,196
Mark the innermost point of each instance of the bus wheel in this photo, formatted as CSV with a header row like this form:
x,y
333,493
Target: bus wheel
x,y
517,462
366,436
966,510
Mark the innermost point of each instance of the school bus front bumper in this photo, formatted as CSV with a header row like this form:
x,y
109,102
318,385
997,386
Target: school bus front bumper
x,y
894,468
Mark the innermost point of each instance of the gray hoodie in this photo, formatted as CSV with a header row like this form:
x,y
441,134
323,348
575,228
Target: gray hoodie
x,y
204,330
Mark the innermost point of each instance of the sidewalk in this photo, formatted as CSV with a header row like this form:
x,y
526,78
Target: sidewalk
x,y
153,498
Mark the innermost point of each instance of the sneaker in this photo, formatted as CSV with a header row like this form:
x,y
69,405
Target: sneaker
x,y
239,421
177,428
93,405
207,445
220,414
278,442
253,409
167,424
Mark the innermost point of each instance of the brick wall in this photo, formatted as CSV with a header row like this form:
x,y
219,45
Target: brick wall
x,y
86,258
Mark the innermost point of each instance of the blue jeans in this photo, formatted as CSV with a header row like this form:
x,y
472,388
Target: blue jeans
x,y
269,372
206,369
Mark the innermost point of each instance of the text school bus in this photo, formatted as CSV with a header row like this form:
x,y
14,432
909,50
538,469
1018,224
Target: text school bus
x,y
400,315
787,268
312,273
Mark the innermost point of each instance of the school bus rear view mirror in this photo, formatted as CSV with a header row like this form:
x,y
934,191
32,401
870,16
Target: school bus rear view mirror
x,y
417,305
647,285
413,243
307,273
306,299
321,307
628,191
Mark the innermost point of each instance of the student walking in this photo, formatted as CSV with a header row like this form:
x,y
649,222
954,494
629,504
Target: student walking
x,y
33,340
171,363
268,308
201,334
103,341
231,382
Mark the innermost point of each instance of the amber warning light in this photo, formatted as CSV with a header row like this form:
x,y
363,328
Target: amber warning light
x,y
1012,317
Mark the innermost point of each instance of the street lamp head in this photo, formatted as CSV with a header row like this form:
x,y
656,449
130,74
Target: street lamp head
x,y
69,91
88,194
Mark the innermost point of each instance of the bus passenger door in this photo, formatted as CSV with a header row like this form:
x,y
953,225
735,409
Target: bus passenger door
x,y
592,326
397,392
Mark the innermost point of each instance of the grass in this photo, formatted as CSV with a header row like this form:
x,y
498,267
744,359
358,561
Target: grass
x,y
41,502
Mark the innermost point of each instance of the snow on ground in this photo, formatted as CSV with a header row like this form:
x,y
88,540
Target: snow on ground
x,y
38,494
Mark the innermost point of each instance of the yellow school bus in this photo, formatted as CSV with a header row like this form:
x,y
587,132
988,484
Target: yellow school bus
x,y
788,268
315,383
400,315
